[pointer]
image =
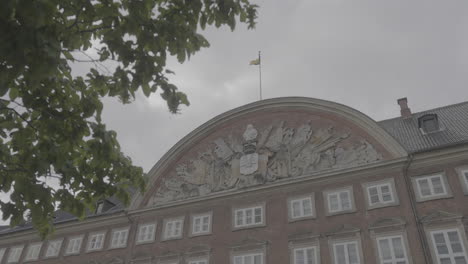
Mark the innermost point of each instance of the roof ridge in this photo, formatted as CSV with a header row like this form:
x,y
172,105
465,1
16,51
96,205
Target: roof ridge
x,y
428,110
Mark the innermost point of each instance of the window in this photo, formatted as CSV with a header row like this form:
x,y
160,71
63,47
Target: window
x,y
173,228
246,217
74,245
305,255
96,241
53,248
33,251
119,238
381,193
449,247
339,200
198,261
99,207
15,254
428,123
392,250
146,233
201,224
346,253
431,187
301,207
463,175
253,258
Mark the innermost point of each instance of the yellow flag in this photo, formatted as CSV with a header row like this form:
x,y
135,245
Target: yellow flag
x,y
255,62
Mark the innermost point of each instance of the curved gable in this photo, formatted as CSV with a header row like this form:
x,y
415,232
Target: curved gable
x,y
265,142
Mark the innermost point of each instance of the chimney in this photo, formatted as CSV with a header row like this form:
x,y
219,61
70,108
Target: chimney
x,y
404,109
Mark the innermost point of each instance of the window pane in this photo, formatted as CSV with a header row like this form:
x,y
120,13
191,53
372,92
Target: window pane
x,y
299,256
257,259
374,199
352,252
386,193
340,254
399,252
239,216
307,206
345,201
455,242
334,205
445,261
258,215
248,217
385,250
460,260
310,256
248,260
424,187
440,243
296,208
437,185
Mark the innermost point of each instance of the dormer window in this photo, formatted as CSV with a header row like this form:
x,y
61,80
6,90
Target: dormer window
x,y
99,207
429,123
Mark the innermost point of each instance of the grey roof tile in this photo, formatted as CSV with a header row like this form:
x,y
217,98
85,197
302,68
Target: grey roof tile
x,y
453,120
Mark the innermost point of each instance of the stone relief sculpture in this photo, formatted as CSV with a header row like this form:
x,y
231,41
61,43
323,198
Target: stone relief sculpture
x,y
253,158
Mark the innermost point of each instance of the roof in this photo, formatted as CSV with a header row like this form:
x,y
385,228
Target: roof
x,y
453,123
63,216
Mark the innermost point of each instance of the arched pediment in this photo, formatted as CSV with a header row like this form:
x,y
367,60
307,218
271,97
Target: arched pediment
x,y
265,142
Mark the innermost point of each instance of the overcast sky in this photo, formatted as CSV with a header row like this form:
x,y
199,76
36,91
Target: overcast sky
x,y
364,54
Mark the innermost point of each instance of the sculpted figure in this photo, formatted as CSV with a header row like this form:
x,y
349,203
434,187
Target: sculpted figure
x,y
252,158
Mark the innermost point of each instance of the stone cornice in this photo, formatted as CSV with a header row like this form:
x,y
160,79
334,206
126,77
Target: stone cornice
x,y
440,156
327,176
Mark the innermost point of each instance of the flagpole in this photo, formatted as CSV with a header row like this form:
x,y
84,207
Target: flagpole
x,y
260,73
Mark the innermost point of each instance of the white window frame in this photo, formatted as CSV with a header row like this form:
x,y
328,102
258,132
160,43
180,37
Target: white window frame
x,y
463,179
445,232
119,244
166,235
300,200
295,249
140,239
31,253
59,242
379,184
337,192
252,208
102,239
421,198
202,216
14,254
345,243
69,251
394,260
248,254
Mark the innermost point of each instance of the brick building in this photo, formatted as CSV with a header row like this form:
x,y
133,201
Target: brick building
x,y
286,180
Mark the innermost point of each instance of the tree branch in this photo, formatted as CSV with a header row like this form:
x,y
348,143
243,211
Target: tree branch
x,y
20,116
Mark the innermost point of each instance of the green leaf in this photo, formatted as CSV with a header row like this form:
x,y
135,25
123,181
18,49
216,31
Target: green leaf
x,y
55,125
14,93
68,55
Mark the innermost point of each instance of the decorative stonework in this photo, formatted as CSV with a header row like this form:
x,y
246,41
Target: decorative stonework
x,y
278,151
